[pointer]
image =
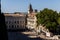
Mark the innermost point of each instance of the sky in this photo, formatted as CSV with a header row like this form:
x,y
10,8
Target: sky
x,y
11,6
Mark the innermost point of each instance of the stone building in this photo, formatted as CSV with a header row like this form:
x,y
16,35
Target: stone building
x,y
15,21
31,18
19,20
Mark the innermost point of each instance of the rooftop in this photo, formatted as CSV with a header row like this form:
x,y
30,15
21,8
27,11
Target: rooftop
x,y
15,14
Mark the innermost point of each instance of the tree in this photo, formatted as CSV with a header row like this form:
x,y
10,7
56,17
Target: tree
x,y
48,17
58,18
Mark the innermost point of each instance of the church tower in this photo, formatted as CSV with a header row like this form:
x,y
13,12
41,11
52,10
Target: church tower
x,y
30,10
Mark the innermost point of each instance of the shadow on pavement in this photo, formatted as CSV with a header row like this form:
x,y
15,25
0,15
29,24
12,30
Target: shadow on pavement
x,y
20,36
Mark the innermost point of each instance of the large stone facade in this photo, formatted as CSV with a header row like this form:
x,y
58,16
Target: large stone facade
x,y
15,21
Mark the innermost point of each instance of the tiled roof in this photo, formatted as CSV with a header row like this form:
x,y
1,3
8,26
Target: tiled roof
x,y
14,14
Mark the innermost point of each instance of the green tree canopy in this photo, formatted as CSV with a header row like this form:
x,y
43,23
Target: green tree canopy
x,y
48,17
58,18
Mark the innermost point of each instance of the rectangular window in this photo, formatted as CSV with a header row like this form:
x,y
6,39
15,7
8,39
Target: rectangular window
x,y
18,22
9,26
15,22
12,26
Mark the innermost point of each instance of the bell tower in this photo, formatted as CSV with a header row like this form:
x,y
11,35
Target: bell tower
x,y
30,10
